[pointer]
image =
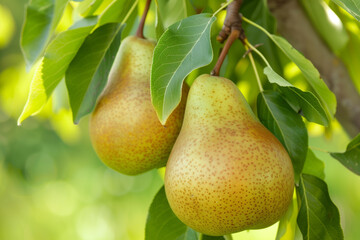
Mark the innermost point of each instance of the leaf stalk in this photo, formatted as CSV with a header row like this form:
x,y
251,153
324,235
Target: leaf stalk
x,y
255,70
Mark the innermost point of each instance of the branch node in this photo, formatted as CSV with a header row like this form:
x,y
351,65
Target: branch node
x,y
232,21
250,50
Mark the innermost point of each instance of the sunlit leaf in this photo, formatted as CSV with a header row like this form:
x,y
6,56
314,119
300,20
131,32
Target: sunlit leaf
x,y
303,101
287,224
351,157
87,73
42,17
352,6
169,12
116,12
88,7
318,217
183,47
311,74
53,65
286,125
350,55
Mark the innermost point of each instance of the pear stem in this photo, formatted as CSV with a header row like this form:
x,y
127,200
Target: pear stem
x,y
255,70
140,30
233,36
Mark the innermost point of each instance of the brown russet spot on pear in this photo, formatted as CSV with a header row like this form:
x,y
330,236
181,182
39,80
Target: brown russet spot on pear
x,y
124,128
226,172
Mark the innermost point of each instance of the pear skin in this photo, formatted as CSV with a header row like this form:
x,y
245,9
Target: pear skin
x,y
124,128
226,172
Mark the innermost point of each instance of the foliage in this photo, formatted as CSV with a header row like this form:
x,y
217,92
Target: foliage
x,y
186,46
83,54
351,157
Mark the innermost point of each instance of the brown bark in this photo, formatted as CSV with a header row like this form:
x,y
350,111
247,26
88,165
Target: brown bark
x,y
295,26
232,21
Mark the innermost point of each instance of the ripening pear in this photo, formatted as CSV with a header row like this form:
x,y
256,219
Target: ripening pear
x,y
226,172
124,128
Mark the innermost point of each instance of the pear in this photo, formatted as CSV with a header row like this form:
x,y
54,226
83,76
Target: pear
x,y
124,128
226,172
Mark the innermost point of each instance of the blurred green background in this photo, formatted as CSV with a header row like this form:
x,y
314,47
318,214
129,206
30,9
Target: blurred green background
x,y
53,186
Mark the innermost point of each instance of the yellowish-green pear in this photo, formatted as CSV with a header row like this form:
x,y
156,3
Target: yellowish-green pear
x,y
124,128
226,172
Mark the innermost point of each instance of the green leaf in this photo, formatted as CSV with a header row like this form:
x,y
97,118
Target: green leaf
x,y
299,100
87,74
327,24
351,6
314,166
187,46
162,223
190,234
311,74
258,11
41,19
286,125
318,216
116,12
168,12
326,97
350,55
287,224
129,23
88,7
172,11
206,237
53,65
159,25
351,157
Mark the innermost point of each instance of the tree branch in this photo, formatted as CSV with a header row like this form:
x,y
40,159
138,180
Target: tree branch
x,y
232,21
294,25
231,27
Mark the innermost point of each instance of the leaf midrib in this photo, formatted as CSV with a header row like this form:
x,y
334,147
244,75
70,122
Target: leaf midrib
x,y
172,77
277,123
